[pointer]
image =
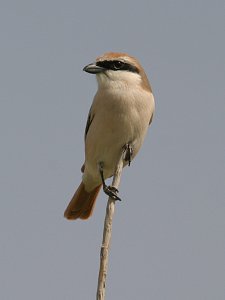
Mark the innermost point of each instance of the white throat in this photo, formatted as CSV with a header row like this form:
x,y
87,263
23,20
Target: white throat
x,y
118,79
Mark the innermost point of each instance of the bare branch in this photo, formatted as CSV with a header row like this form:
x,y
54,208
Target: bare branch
x,y
107,233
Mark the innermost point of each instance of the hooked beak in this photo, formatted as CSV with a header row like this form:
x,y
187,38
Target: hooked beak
x,y
93,69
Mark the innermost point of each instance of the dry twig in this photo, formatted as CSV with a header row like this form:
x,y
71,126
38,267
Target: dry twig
x,y
107,232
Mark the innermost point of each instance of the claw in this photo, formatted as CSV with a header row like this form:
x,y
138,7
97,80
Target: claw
x,y
111,191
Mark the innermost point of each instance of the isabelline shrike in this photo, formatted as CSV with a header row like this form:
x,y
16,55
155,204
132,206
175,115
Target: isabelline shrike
x,y
118,120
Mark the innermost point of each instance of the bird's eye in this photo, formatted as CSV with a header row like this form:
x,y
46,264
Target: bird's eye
x,y
118,64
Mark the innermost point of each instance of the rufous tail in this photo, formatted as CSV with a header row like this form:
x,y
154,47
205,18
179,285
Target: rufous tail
x,y
82,204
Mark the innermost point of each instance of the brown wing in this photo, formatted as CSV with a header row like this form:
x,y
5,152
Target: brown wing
x,y
88,124
89,121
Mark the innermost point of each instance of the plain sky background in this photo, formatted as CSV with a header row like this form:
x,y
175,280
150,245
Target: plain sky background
x,y
168,238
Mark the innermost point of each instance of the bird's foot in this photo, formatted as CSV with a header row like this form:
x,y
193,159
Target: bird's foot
x,y
111,191
128,151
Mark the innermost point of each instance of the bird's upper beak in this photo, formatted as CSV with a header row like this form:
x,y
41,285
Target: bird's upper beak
x,y
93,68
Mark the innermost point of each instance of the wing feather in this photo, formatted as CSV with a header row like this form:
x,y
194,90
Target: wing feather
x,y
89,121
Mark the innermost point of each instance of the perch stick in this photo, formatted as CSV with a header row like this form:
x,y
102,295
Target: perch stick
x,y
107,233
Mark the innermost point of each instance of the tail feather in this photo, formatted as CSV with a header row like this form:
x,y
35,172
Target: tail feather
x,y
82,204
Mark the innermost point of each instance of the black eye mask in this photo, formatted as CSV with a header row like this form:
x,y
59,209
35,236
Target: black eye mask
x,y
117,65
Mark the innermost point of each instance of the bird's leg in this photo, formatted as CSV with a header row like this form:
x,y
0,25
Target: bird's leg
x,y
128,151
111,191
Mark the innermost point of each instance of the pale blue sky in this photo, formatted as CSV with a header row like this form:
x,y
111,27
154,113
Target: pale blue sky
x,y
168,234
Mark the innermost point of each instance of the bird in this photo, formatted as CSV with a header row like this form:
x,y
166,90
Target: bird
x,y
118,120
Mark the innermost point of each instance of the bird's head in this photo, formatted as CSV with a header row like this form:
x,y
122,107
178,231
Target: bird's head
x,y
118,70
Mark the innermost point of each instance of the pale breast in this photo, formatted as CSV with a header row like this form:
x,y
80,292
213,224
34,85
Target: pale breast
x,y
118,119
